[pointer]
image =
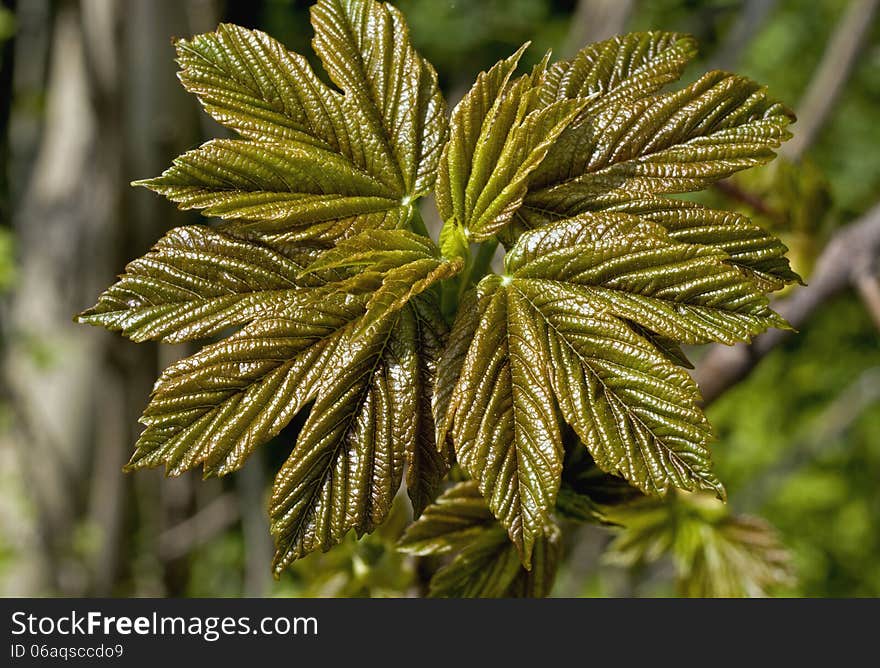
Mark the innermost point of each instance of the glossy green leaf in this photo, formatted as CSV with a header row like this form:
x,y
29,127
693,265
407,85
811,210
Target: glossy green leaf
x,y
602,292
215,407
365,47
369,418
427,461
685,292
498,137
619,70
280,186
377,250
315,163
751,249
400,285
504,421
636,412
671,143
666,346
487,564
586,229
194,283
252,84
597,311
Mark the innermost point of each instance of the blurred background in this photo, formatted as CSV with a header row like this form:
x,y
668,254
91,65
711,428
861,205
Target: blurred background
x,y
89,101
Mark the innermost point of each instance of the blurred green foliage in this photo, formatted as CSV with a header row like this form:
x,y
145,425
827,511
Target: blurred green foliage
x,y
7,263
7,24
800,445
370,567
714,553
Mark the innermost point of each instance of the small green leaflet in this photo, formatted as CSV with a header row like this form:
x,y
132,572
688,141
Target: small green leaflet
x,y
500,134
715,554
486,564
408,263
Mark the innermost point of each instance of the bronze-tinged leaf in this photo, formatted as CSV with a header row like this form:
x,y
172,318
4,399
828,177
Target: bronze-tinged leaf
x,y
369,419
505,426
671,143
347,464
685,292
751,249
583,229
394,265
636,412
619,70
215,407
278,186
427,462
252,84
487,564
467,123
194,283
377,250
365,47
314,163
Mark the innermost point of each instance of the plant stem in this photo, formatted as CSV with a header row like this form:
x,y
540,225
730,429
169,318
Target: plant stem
x,y
418,224
476,266
483,260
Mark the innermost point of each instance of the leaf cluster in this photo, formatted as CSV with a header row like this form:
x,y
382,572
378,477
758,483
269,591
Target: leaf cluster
x,y
410,356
